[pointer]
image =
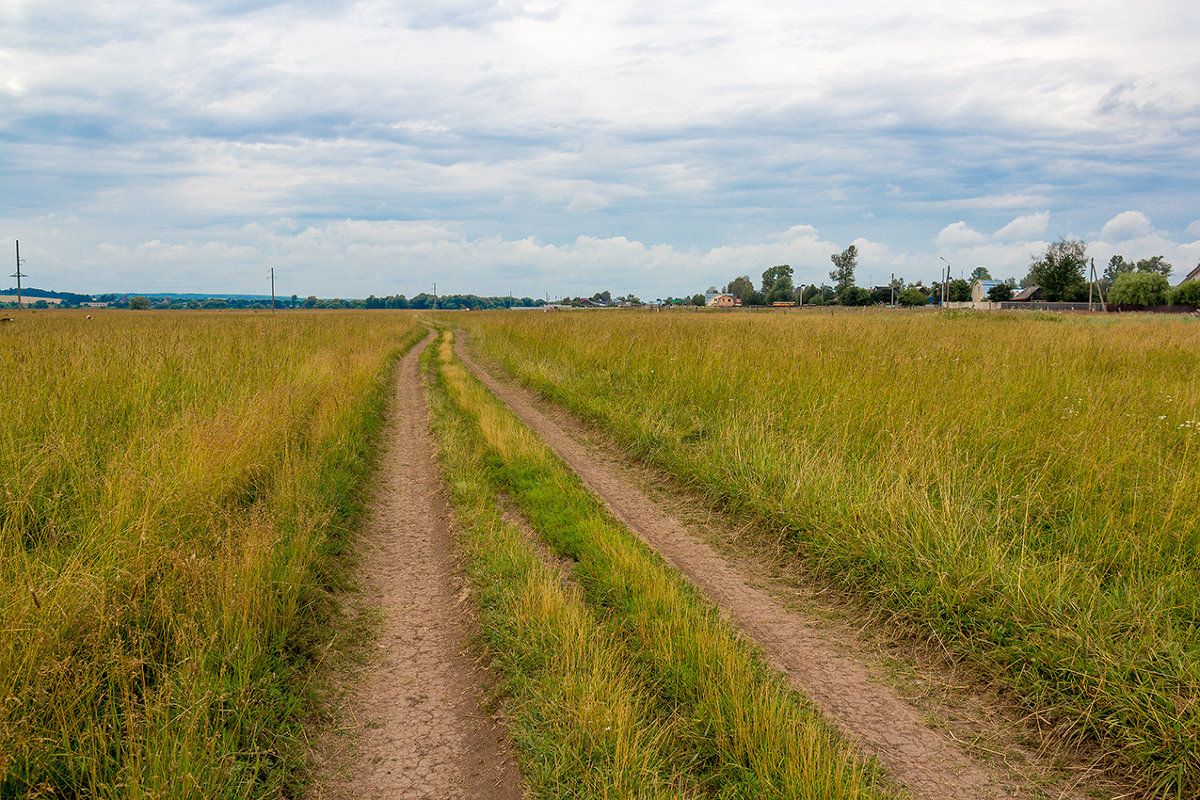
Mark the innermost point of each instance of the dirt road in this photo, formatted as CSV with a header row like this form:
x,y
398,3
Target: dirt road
x,y
422,731
926,761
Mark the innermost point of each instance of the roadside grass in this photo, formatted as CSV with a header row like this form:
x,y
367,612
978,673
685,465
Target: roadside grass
x,y
175,496
623,682
1024,491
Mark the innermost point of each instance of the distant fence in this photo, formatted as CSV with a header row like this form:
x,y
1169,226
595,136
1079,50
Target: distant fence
x,y
1153,309
1112,307
1039,305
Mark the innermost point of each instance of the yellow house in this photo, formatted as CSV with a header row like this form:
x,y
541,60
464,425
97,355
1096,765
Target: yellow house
x,y
721,301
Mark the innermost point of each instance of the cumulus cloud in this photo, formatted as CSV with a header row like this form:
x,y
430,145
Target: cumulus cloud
x,y
1132,235
1126,226
958,235
1026,227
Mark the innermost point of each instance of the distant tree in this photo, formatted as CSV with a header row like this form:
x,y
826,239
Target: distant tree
x,y
43,303
843,268
1117,265
854,296
881,294
773,274
1059,271
1000,292
698,300
912,296
602,297
214,303
812,295
980,274
310,301
1155,265
777,284
740,287
139,303
1186,294
959,291
1140,288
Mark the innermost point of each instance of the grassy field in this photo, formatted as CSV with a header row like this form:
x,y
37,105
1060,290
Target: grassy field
x,y
622,681
1022,489
174,495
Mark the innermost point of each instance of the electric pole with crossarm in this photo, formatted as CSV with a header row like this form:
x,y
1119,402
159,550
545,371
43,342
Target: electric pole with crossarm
x,y
18,274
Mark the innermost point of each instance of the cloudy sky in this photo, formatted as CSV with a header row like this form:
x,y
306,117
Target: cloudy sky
x,y
564,147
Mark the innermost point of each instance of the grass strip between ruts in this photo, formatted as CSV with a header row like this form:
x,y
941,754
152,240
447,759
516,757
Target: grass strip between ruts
x,y
626,682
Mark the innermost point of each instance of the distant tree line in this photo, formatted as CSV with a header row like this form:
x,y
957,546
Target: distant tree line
x,y
1059,272
396,301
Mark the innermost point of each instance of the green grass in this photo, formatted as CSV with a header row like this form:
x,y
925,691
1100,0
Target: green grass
x,y
623,682
1023,490
174,497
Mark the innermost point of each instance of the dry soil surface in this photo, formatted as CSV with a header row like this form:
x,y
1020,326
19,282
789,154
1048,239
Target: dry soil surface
x,y
421,730
928,762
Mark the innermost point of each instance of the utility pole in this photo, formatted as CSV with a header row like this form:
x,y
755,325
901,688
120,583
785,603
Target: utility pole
x,y
946,283
893,287
1095,284
435,295
272,290
18,274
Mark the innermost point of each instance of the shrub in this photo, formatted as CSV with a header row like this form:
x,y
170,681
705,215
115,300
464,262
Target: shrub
x,y
1186,294
855,296
1000,293
1140,288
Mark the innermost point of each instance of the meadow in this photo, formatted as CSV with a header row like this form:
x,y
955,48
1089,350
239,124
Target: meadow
x,y
175,498
1022,490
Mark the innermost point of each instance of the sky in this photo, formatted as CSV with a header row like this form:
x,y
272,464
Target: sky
x,y
548,148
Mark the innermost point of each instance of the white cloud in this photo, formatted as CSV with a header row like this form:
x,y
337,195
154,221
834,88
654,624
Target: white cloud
x,y
958,235
1126,226
1026,227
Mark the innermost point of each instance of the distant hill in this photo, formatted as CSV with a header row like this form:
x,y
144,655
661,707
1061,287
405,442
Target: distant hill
x,y
67,298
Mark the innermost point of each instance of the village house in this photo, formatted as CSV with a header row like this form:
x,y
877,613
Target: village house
x,y
980,289
720,300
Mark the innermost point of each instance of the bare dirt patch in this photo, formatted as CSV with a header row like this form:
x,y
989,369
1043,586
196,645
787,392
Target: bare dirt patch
x,y
418,728
823,657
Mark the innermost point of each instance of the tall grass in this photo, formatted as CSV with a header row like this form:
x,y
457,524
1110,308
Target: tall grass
x,y
173,497
629,685
1024,490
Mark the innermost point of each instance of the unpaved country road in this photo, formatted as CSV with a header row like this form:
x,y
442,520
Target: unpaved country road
x,y
423,733
926,761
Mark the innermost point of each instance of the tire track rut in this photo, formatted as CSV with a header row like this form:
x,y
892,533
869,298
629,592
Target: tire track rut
x,y
421,730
